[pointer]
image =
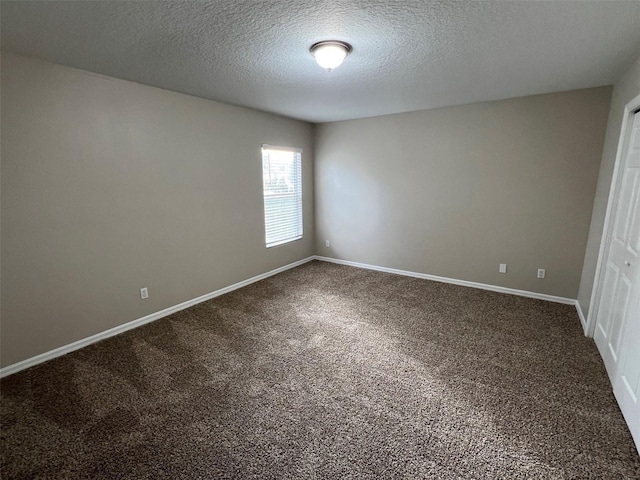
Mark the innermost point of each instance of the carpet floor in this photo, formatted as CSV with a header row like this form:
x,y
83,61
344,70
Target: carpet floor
x,y
327,372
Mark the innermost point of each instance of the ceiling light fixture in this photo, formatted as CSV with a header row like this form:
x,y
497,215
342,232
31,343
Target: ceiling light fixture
x,y
330,54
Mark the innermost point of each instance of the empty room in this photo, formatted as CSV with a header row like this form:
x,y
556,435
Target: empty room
x,y
330,239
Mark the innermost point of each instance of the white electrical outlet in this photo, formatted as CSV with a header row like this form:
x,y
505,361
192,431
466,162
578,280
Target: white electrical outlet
x,y
503,268
327,243
542,273
144,293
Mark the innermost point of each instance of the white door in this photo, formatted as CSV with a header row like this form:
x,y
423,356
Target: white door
x,y
617,332
626,387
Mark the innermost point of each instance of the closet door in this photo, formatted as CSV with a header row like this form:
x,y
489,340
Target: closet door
x,y
617,332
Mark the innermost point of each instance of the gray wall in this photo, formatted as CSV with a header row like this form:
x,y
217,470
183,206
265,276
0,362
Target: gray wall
x,y
456,191
624,91
109,186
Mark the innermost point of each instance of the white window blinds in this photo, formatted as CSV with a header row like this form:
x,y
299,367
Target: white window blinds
x,y
282,187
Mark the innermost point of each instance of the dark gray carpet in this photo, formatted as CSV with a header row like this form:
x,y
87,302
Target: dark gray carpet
x,y
327,371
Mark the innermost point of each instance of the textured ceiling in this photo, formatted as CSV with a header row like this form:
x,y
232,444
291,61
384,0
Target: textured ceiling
x,y
407,55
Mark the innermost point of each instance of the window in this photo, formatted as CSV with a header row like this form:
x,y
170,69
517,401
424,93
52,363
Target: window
x,y
282,186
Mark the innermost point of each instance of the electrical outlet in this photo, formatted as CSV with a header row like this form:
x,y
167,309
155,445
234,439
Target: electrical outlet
x,y
542,273
144,293
503,268
327,243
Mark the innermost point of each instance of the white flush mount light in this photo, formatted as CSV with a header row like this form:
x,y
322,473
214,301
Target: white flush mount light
x,y
330,54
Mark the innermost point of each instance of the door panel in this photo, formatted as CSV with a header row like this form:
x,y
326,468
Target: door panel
x,y
623,214
604,313
617,332
620,305
627,384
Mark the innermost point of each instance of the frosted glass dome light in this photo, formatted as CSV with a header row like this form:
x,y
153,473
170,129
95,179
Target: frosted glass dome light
x,y
330,54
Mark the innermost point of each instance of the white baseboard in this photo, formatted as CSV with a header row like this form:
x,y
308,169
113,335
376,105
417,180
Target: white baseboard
x,y
454,281
583,319
58,352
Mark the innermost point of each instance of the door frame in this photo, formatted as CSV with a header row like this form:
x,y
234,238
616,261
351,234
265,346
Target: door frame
x,y
630,110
